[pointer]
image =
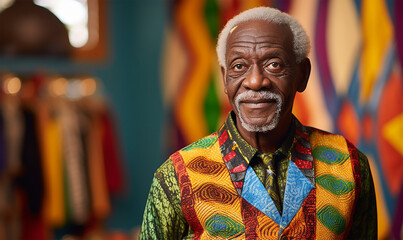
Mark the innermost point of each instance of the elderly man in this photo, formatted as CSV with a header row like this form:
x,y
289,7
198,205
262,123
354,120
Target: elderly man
x,y
263,175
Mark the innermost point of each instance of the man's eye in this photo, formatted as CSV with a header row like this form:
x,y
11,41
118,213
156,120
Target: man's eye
x,y
238,66
274,67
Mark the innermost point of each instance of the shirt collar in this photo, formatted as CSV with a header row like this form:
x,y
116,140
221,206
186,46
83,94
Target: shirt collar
x,y
237,153
247,150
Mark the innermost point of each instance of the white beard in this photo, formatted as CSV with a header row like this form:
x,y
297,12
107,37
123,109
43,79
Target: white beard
x,y
262,95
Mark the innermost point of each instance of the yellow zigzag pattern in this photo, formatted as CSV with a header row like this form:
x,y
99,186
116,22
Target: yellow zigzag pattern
x,y
189,107
378,34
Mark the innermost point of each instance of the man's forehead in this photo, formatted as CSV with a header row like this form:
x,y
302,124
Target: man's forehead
x,y
259,30
259,26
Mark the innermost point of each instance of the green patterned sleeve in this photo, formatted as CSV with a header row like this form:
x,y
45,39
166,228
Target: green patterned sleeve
x,y
365,224
163,218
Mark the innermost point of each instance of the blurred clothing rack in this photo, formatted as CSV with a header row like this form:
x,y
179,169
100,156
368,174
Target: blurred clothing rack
x,y
59,156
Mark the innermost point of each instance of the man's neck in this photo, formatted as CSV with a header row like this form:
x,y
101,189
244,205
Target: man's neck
x,y
266,142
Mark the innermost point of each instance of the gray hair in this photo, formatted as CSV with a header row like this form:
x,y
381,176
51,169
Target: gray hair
x,y
300,38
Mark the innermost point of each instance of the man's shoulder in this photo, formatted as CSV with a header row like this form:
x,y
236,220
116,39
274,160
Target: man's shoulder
x,y
310,129
167,168
314,130
325,135
204,143
330,135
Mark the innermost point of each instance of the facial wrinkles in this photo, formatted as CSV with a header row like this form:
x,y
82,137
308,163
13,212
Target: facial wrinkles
x,y
254,46
255,36
264,95
258,52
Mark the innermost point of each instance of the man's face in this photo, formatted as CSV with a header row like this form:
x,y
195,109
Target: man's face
x,y
261,75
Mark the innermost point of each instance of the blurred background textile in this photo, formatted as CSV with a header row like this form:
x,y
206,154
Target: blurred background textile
x,y
158,87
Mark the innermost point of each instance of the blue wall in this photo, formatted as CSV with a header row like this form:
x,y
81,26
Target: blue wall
x,y
132,80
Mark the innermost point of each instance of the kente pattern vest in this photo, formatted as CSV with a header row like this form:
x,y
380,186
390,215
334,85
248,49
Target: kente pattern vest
x,y
222,197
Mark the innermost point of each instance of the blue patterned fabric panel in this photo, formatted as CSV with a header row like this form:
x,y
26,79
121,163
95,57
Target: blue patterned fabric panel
x,y
254,192
296,190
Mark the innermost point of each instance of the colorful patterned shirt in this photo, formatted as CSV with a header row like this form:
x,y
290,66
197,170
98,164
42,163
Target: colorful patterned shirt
x,y
164,219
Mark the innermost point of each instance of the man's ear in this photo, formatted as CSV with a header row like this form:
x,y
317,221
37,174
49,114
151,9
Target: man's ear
x,y
304,70
224,79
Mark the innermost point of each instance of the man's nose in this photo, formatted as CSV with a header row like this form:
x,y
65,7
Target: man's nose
x,y
256,80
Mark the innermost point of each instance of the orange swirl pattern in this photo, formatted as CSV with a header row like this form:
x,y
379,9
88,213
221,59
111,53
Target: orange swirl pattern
x,y
267,228
204,166
216,193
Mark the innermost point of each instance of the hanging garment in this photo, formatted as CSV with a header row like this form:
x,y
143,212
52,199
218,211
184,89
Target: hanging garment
x,y
32,175
73,155
31,179
13,132
96,166
113,171
54,212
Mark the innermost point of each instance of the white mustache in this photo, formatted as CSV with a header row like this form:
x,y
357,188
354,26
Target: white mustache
x,y
252,95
